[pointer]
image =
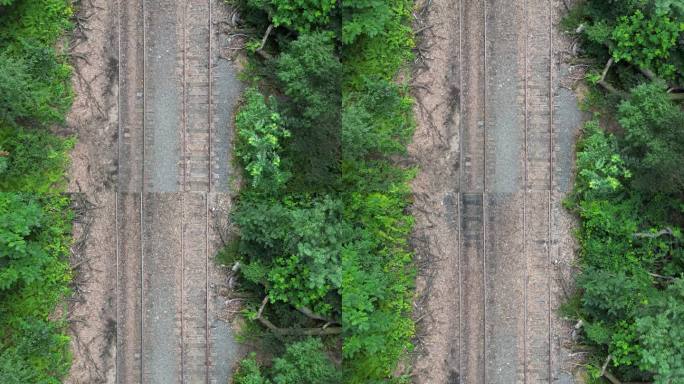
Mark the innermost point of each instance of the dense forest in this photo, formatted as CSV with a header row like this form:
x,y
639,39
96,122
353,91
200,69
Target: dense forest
x,y
35,219
629,190
322,239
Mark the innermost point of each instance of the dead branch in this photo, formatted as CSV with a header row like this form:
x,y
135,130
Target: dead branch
x,y
325,330
310,314
260,50
666,231
422,29
661,276
605,364
611,378
602,82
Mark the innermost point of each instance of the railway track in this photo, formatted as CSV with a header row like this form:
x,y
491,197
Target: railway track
x,y
506,147
169,181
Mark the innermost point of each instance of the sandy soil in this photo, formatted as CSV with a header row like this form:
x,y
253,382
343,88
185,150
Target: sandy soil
x,y
93,119
495,143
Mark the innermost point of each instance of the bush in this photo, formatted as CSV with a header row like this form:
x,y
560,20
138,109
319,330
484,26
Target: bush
x,y
34,79
36,160
260,133
303,362
661,335
309,74
293,248
647,43
300,15
34,248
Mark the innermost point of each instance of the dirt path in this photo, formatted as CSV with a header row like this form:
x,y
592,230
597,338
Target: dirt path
x,y
492,238
154,141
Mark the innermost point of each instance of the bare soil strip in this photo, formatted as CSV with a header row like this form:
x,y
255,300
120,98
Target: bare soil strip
x,y
514,238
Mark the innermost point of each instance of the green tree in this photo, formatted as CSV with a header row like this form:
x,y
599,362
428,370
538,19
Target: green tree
x,y
293,248
309,73
375,121
367,17
647,42
300,15
653,139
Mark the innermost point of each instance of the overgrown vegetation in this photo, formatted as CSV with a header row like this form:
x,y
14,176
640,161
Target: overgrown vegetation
x,y
322,215
35,219
629,191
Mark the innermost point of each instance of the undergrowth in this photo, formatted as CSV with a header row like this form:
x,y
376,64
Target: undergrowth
x,y
35,218
628,191
322,216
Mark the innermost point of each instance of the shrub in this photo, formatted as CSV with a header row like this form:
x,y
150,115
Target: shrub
x,y
34,244
300,15
36,160
260,132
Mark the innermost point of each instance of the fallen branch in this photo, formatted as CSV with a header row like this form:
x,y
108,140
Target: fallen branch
x,y
325,330
605,364
310,314
260,50
611,378
661,276
602,82
666,231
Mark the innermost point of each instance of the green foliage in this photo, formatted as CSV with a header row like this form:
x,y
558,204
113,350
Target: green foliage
x,y
637,34
334,238
259,135
249,372
647,42
22,259
367,17
300,15
36,160
630,295
601,170
3,161
383,54
35,222
293,247
303,362
34,244
653,139
309,74
377,286
661,335
34,78
376,121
